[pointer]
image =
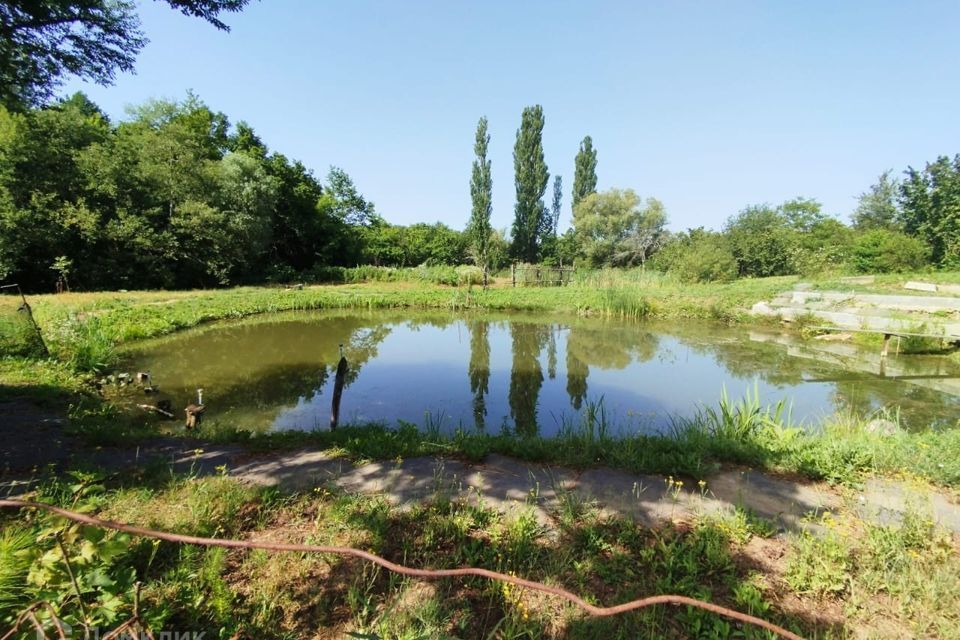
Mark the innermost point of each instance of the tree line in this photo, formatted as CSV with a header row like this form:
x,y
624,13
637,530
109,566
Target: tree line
x,y
176,196
899,224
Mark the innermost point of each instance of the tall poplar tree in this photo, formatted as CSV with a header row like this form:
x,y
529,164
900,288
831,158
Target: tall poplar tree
x,y
481,194
557,201
532,176
585,172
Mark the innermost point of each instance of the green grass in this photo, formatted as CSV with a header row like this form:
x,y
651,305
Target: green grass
x,y
125,317
871,579
264,594
900,578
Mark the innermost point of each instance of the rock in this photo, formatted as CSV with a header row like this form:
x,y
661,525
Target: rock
x,y
920,286
882,427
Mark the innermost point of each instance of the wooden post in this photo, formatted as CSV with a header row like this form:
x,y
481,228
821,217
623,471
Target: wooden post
x,y
513,273
886,346
338,383
194,415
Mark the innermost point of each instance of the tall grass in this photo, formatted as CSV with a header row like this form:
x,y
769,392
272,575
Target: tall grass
x,y
625,302
84,344
437,274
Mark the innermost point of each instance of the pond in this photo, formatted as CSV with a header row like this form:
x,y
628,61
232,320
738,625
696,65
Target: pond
x,y
526,373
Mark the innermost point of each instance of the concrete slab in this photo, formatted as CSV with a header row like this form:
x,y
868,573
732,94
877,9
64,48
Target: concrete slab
x,y
886,502
920,286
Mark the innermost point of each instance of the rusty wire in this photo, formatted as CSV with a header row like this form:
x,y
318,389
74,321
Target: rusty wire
x,y
427,574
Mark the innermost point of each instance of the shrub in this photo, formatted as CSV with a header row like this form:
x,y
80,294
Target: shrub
x,y
467,274
886,251
706,260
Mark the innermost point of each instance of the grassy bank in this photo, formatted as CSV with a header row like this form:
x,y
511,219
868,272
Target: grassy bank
x,y
85,329
71,320
855,580
843,450
82,327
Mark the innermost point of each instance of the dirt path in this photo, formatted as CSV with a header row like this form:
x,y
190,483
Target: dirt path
x,y
508,484
31,438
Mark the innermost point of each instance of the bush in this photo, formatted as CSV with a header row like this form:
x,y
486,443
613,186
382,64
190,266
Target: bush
x,y
706,260
468,275
886,251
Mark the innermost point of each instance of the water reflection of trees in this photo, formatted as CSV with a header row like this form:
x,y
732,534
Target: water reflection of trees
x,y
257,368
610,346
577,372
526,376
479,369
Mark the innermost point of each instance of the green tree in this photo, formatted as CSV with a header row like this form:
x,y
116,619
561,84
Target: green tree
x,y
616,228
930,201
760,238
698,255
549,242
44,41
888,251
481,196
585,171
530,215
347,202
304,231
44,210
802,214
878,208
555,206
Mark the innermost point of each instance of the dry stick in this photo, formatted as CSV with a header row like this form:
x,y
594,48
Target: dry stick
x,y
408,571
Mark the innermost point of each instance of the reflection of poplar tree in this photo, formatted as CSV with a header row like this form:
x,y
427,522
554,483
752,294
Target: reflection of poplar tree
x,y
526,377
479,370
552,353
577,372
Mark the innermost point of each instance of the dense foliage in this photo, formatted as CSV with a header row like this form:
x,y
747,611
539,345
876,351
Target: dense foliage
x,y
616,228
177,197
42,41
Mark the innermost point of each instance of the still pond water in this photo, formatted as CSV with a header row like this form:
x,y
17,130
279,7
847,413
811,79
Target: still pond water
x,y
526,373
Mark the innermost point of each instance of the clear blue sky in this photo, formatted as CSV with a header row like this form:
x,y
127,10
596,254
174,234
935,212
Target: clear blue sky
x,y
708,106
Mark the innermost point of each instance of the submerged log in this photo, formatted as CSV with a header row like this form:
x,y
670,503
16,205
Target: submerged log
x,y
338,383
